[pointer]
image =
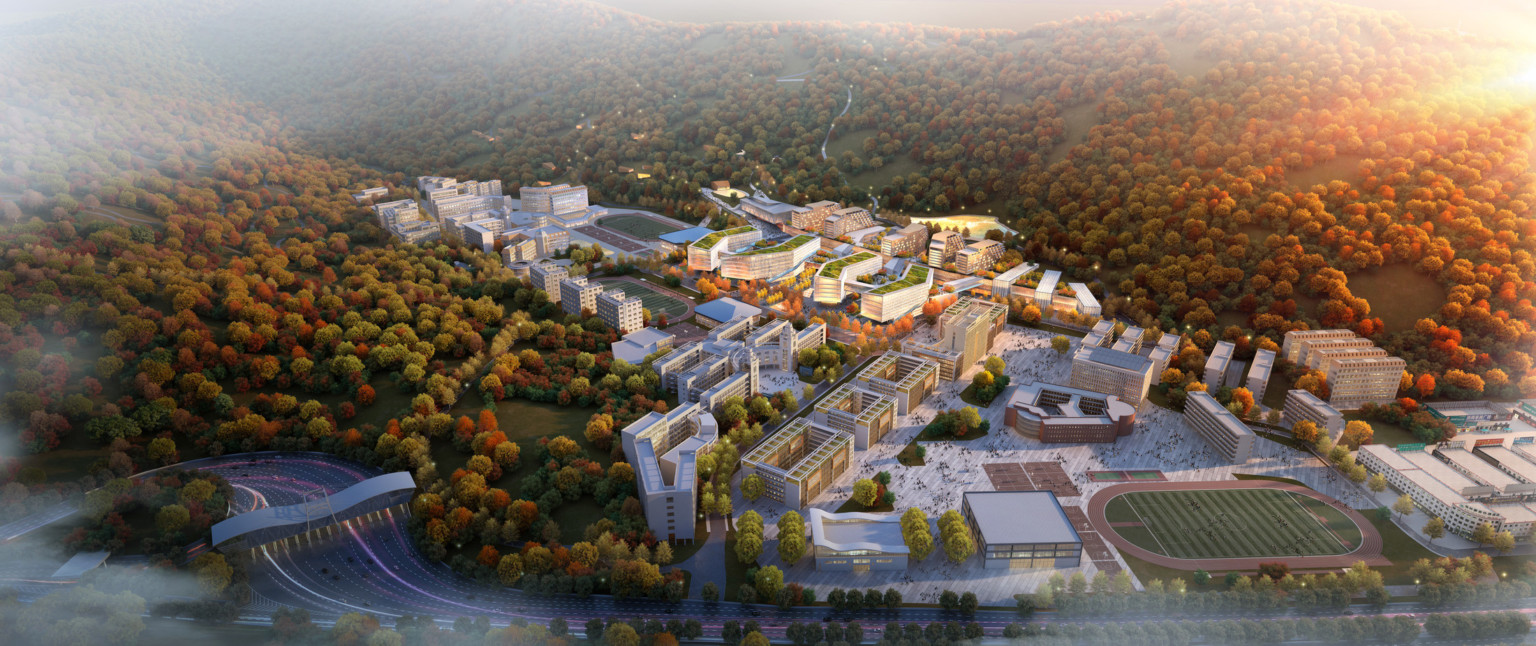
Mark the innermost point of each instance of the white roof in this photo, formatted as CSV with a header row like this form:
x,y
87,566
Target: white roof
x,y
1479,469
298,514
856,531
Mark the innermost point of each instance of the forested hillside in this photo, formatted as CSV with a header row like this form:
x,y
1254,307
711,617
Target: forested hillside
x,y
177,230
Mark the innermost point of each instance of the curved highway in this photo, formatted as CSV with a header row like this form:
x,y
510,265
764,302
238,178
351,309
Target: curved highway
x,y
370,565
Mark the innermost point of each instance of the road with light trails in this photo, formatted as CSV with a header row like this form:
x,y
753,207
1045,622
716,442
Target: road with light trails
x,y
369,565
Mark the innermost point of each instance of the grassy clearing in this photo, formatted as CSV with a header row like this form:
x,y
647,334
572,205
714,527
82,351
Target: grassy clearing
x,y
1078,120
1343,167
1383,432
1384,287
1183,58
849,140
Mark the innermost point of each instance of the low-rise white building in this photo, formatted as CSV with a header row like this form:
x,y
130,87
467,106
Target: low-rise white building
x,y
1218,427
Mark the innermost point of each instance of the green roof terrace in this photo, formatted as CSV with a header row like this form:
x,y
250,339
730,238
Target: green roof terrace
x,y
834,268
916,275
788,245
713,239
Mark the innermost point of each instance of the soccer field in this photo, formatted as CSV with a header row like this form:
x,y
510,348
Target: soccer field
x,y
651,298
1231,523
638,226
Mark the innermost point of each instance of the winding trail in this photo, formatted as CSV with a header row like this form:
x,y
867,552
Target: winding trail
x,y
832,127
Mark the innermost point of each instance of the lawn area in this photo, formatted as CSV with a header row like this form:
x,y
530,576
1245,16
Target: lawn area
x,y
969,396
524,422
908,456
849,505
1383,287
1230,523
574,516
653,299
735,570
683,289
1400,548
1251,476
1383,432
638,226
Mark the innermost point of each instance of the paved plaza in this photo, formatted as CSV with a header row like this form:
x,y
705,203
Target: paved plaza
x,y
1161,441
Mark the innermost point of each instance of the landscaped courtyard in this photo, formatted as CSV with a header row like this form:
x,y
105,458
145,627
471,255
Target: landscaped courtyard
x,y
1230,523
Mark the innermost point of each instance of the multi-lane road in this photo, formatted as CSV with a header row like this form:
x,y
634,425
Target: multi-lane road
x,y
370,565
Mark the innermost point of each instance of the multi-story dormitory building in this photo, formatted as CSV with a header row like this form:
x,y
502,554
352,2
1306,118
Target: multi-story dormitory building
x,y
404,220
664,450
1356,370
726,363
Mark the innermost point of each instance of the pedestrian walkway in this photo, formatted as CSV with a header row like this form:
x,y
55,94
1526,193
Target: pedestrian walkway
x,y
707,564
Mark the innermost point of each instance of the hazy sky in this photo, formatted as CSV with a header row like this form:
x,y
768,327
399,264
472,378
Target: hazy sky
x,y
1515,19
1507,18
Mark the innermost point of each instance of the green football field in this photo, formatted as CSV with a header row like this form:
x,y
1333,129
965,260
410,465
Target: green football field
x,y
1231,523
651,298
638,226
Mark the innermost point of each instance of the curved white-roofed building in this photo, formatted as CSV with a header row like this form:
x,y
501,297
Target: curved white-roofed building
x,y
856,541
270,524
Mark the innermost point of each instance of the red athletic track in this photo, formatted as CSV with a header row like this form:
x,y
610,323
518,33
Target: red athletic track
x,y
1369,549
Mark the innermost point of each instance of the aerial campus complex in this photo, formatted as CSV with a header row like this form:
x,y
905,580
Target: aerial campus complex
x,y
890,272
550,322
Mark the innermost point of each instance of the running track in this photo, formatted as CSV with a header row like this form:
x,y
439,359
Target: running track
x,y
1368,551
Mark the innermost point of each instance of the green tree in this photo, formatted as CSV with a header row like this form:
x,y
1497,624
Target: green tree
x,y
753,486
710,593
748,547
791,538
864,491
1503,541
769,580
916,534
162,450
510,569
1434,529
620,634
171,518
213,572
1377,483
1483,534
1060,344
995,365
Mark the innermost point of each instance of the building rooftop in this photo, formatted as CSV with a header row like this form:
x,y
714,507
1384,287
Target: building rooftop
x,y
834,268
856,531
685,236
727,309
300,514
787,245
1005,517
916,275
1480,469
714,238
1116,358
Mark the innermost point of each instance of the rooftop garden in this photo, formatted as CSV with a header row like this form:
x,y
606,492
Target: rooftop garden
x,y
713,239
792,243
916,275
834,268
